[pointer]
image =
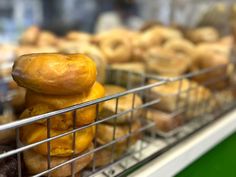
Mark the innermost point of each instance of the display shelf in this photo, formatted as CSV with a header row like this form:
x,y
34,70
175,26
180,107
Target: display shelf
x,y
177,158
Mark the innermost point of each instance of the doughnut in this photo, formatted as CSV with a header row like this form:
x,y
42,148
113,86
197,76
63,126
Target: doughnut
x,y
165,62
55,74
40,103
165,122
137,67
124,104
211,55
157,36
105,133
62,146
116,49
36,163
7,52
78,36
30,35
103,156
203,34
169,94
180,47
46,38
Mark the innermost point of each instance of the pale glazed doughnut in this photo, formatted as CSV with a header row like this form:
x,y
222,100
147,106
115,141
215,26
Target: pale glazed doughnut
x,y
124,104
203,34
157,36
36,163
55,74
180,47
60,147
30,35
46,38
78,36
105,133
116,49
138,67
165,62
170,96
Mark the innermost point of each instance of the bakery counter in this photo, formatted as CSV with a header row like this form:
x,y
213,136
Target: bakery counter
x,y
187,151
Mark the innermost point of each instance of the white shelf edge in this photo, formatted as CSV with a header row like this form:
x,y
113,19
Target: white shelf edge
x,y
179,157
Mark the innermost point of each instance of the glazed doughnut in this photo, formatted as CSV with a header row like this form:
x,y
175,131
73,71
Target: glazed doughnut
x,y
55,74
169,95
137,67
211,55
103,156
180,47
40,103
165,62
116,48
36,163
203,34
157,36
59,147
105,133
30,35
124,104
46,38
78,36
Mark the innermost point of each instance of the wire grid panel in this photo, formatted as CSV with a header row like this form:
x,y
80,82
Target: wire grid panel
x,y
43,146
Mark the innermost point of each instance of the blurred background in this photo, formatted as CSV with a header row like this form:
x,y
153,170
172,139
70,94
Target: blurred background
x,y
60,16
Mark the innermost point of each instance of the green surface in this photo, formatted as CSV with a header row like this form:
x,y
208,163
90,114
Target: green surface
x,y
218,162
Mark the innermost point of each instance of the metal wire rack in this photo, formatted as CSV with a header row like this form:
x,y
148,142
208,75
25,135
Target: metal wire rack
x,y
150,142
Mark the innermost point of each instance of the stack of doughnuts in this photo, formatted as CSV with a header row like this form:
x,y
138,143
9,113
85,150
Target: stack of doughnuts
x,y
55,81
117,128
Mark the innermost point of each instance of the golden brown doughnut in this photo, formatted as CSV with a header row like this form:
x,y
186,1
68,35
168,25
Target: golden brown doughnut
x,y
36,163
59,147
46,38
55,74
203,34
124,104
30,35
165,62
40,103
